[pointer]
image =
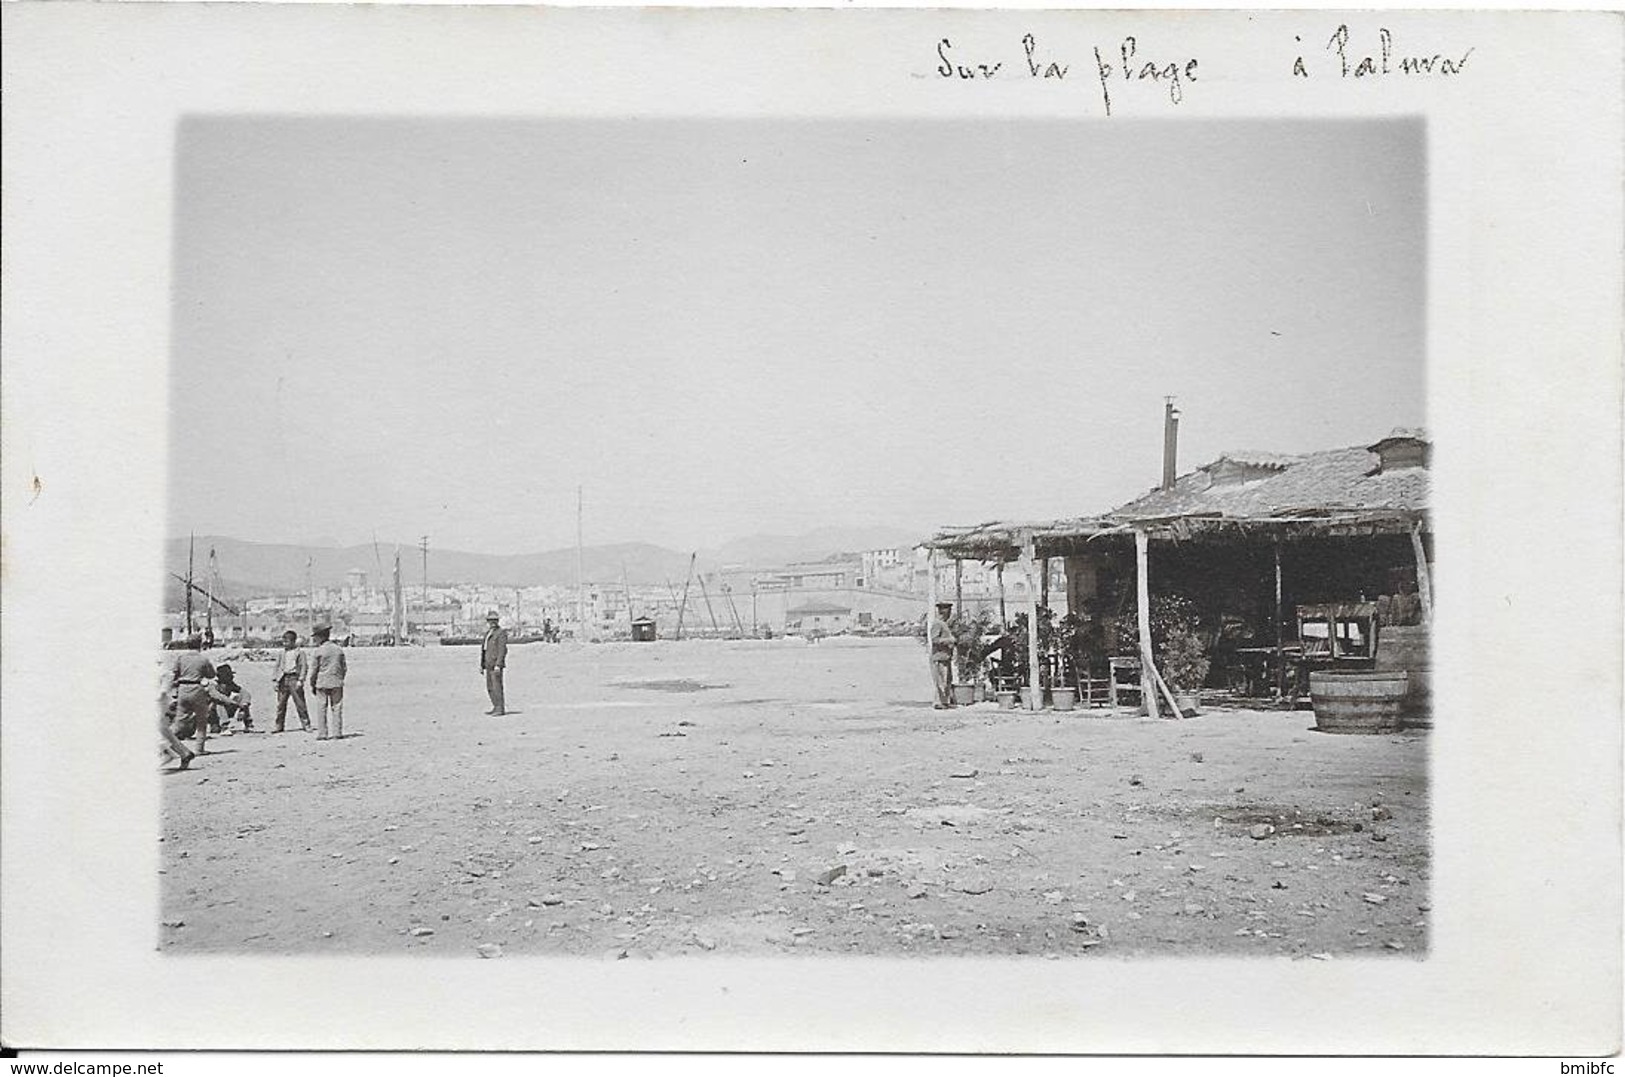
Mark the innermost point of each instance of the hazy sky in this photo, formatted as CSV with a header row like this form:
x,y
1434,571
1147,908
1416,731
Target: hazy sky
x,y
721,327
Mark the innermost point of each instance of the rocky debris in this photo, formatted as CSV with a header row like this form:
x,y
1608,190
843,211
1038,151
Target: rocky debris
x,y
174,923
1196,757
916,890
704,942
1374,899
1089,934
1135,779
1380,813
421,932
824,878
976,885
1260,831
965,772
488,949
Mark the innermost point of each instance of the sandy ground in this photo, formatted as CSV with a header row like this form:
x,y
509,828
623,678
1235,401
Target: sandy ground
x,y
684,798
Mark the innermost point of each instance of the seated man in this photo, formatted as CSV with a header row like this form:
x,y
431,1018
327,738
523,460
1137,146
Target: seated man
x,y
228,700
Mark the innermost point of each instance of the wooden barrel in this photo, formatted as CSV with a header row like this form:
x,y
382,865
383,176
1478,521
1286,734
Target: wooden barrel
x,y
1358,702
1407,648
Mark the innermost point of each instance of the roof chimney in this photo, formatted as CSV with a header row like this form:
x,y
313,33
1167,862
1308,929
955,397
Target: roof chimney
x,y
1170,443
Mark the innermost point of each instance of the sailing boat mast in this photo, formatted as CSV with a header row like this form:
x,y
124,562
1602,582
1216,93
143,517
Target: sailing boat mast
x,y
191,551
682,606
208,607
626,589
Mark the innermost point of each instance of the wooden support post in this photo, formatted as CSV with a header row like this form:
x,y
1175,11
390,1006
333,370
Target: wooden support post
x,y
1167,693
1004,618
1035,698
1280,653
930,618
1424,585
1043,584
959,587
1148,685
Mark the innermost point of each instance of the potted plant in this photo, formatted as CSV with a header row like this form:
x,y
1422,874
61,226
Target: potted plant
x,y
1183,661
1015,668
1012,668
1179,651
970,651
1072,648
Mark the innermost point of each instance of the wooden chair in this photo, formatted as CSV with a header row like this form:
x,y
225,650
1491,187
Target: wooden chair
x,y
1116,683
1335,635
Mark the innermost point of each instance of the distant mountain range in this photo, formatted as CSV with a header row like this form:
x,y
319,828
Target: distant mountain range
x,y
248,568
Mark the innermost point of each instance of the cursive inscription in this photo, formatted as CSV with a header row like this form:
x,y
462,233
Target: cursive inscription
x,y
1354,59
1120,66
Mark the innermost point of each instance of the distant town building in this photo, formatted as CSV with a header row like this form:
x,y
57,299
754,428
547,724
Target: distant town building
x,y
825,618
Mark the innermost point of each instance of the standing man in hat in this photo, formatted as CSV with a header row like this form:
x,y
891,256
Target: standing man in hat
x,y
289,679
493,658
189,673
327,670
941,638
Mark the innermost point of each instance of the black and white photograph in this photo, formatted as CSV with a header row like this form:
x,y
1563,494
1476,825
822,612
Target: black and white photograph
x,y
773,370
578,536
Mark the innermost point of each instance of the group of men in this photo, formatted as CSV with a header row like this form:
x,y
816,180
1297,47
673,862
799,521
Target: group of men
x,y
197,697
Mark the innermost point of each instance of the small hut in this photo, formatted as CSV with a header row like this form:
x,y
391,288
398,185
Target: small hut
x,y
1289,560
643,630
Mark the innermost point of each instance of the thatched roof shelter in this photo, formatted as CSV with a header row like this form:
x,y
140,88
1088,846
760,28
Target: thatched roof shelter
x,y
1376,489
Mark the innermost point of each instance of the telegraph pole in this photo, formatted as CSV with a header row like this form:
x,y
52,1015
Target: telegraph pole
x,y
400,614
581,586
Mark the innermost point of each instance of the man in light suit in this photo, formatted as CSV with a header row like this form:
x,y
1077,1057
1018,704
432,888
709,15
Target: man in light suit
x,y
493,658
327,669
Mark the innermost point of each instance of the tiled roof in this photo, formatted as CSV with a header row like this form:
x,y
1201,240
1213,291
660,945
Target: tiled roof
x,y
1313,483
1328,492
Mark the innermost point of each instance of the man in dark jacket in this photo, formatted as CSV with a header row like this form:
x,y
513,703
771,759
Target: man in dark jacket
x,y
493,659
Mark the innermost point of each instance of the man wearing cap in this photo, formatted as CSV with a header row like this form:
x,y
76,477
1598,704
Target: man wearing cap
x,y
493,657
189,673
941,638
230,700
289,679
327,670
171,744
